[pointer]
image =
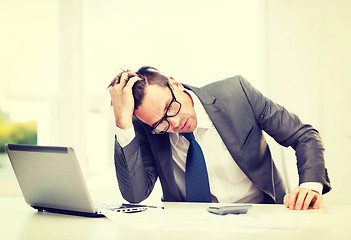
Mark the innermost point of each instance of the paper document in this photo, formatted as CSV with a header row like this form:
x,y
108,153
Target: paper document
x,y
200,219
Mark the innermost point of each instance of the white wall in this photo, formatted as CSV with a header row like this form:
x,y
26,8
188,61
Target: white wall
x,y
308,71
195,41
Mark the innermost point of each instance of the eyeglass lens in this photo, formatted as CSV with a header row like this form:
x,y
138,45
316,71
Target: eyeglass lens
x,y
172,111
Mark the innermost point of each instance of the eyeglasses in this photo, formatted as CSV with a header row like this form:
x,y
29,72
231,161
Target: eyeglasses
x,y
173,109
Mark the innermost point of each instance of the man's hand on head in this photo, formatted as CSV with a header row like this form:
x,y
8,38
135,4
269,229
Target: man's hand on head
x,y
122,98
302,199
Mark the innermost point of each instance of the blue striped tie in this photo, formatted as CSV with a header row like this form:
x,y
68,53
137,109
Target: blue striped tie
x,y
196,178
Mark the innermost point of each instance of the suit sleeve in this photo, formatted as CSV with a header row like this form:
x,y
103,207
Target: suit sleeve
x,y
287,129
135,170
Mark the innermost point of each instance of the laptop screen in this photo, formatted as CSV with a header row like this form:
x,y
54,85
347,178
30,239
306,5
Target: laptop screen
x,y
50,177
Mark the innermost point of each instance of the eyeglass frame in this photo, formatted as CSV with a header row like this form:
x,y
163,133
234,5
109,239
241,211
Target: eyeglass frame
x,y
164,118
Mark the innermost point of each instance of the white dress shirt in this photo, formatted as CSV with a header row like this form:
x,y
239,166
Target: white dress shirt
x,y
227,181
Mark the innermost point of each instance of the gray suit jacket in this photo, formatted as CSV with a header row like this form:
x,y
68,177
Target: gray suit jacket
x,y
240,113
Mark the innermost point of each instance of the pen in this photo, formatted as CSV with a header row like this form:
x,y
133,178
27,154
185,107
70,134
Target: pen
x,y
153,206
139,205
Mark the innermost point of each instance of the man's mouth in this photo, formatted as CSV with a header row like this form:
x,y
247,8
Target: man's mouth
x,y
185,124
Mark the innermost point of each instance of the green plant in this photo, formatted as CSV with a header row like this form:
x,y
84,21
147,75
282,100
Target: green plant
x,y
20,133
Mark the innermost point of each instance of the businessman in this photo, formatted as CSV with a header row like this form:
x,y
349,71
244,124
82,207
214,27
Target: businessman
x,y
207,144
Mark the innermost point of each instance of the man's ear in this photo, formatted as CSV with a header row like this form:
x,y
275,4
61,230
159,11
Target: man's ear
x,y
176,84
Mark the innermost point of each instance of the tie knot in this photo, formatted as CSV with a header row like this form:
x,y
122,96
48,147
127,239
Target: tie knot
x,y
188,136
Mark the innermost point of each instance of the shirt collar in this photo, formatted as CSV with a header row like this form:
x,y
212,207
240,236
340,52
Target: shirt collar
x,y
203,120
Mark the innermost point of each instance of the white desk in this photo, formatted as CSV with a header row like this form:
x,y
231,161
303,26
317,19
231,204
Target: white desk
x,y
177,221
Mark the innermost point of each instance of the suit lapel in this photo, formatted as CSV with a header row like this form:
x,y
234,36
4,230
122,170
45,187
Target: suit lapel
x,y
223,124
162,150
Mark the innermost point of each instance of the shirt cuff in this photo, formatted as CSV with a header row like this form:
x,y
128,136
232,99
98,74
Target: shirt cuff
x,y
124,137
315,186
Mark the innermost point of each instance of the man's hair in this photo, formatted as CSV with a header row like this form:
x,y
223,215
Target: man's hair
x,y
149,76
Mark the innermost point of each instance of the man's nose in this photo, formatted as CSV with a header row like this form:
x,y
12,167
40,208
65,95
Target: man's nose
x,y
174,121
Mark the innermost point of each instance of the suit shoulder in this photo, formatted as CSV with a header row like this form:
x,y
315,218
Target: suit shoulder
x,y
227,83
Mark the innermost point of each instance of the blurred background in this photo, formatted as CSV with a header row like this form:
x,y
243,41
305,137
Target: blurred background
x,y
58,56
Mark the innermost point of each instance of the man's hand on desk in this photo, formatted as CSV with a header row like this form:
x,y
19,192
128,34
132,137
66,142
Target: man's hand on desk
x,y
302,198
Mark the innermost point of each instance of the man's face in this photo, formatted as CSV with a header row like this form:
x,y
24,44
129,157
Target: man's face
x,y
156,102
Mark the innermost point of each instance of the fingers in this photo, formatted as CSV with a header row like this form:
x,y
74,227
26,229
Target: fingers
x,y
126,81
317,203
124,78
121,78
291,199
313,199
131,82
302,199
286,200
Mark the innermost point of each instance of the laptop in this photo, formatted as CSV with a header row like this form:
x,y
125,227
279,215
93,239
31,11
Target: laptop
x,y
51,180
